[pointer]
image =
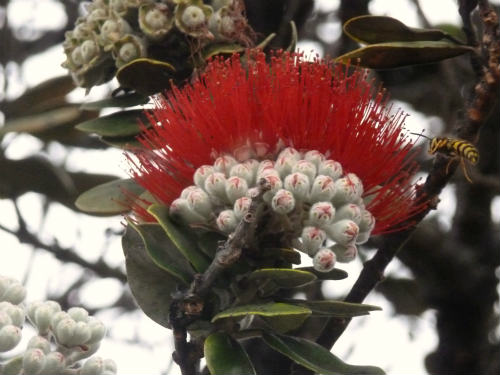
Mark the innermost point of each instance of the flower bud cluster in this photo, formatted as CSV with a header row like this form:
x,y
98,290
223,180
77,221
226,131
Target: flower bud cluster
x,y
62,339
115,32
327,201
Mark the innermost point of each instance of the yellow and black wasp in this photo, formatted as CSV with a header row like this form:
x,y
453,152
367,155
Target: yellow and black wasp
x,y
454,148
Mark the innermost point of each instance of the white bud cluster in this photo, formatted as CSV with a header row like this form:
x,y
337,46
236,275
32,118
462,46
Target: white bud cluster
x,y
62,339
330,200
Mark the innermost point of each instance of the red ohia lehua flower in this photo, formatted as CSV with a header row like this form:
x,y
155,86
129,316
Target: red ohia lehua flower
x,y
330,144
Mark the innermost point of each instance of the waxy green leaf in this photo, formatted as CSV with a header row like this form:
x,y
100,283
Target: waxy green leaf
x,y
369,29
335,274
315,357
121,101
397,54
336,309
111,198
283,277
146,76
182,237
118,124
163,252
225,356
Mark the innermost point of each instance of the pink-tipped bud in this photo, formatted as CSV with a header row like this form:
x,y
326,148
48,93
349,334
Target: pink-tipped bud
x,y
33,361
275,183
349,211
358,184
10,335
236,187
344,232
345,254
323,189
284,165
252,192
215,186
223,164
305,167
180,209
199,201
241,207
330,168
268,172
185,192
283,202
298,184
201,175
253,165
312,239
243,171
314,157
226,221
291,153
348,190
321,214
367,221
263,165
324,260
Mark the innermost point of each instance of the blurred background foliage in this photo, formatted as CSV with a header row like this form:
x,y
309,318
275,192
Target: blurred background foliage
x,y
453,266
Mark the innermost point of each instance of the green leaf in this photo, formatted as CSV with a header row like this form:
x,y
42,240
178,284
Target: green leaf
x,y
284,277
335,274
208,242
280,316
109,198
290,255
146,76
151,286
122,101
225,356
181,237
398,54
336,309
163,252
215,49
125,143
368,29
118,124
315,357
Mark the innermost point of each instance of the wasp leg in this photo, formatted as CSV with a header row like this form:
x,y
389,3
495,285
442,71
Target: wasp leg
x,y
464,168
449,163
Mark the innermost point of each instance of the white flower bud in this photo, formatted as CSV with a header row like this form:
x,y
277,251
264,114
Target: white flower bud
x,y
201,175
109,365
39,342
128,52
10,335
236,187
345,254
344,232
5,319
363,237
358,184
179,208
15,293
314,157
31,310
264,165
252,165
283,202
43,318
185,192
298,184
324,260
53,305
330,168
243,171
284,165
76,56
241,207
97,330
290,152
199,201
15,313
215,185
321,214
252,192
33,361
223,164
81,334
193,17
367,221
57,317
275,183
54,363
92,366
323,189
348,190
64,331
312,239
349,211
305,167
226,221
89,50
156,19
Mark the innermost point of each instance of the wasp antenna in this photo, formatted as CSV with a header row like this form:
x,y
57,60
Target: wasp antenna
x,y
421,135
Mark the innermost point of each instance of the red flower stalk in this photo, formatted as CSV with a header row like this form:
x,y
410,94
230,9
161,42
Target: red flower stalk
x,y
232,108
